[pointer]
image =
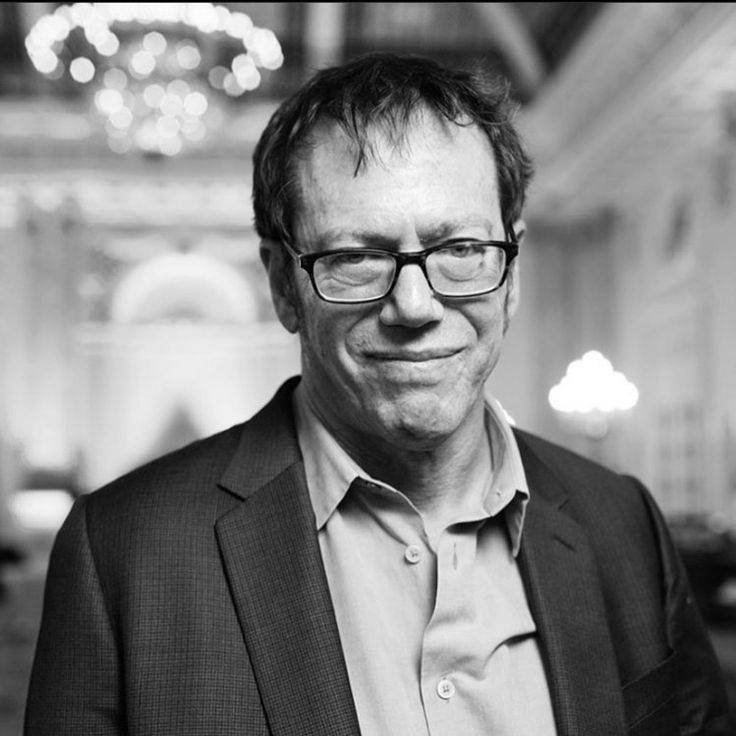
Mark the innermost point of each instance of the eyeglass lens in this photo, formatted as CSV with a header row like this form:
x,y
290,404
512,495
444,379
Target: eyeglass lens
x,y
455,270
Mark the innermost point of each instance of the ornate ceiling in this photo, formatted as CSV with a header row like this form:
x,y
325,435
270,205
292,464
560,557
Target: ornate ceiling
x,y
525,41
528,41
607,89
647,85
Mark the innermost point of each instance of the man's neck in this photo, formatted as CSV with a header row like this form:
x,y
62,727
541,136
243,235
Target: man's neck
x,y
440,479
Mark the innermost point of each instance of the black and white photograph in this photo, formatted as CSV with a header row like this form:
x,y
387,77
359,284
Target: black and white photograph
x,y
367,369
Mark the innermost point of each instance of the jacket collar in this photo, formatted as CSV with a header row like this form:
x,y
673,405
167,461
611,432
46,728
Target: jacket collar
x,y
267,446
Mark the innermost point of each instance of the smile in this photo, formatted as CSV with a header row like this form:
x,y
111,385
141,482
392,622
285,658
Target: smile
x,y
413,356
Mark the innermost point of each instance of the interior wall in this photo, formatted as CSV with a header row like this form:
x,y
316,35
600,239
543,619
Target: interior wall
x,y
648,281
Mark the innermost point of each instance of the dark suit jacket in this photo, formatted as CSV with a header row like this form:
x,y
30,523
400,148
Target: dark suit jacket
x,y
189,597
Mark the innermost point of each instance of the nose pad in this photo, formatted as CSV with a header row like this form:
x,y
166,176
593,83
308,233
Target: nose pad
x,y
412,302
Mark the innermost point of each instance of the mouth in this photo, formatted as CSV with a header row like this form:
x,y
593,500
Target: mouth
x,y
412,356
405,368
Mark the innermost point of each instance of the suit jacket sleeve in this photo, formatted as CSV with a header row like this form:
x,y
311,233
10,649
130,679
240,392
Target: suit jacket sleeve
x,y
701,698
75,685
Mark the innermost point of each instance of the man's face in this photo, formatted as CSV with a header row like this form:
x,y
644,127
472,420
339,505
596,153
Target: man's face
x,y
407,371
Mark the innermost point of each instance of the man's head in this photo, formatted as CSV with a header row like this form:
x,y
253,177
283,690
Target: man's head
x,y
399,155
379,93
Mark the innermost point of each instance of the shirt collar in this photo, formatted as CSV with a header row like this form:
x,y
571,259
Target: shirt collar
x,y
330,470
509,488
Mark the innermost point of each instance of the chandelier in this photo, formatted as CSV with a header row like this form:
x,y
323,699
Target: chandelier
x,y
158,74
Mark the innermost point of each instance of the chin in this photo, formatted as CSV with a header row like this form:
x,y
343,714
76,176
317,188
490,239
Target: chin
x,y
419,419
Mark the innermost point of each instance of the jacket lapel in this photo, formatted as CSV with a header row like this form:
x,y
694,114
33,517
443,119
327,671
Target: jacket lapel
x,y
274,567
564,594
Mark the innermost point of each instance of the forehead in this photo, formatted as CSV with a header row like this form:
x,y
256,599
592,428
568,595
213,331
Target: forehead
x,y
435,172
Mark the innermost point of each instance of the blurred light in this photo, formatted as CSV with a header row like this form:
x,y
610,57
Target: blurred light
x,y
194,130
47,61
82,70
80,12
109,46
223,17
217,76
195,103
203,16
115,78
246,74
168,126
41,510
57,72
249,80
153,94
142,63
178,87
591,385
153,88
121,119
231,85
265,48
240,25
243,63
171,104
155,43
95,29
170,146
108,100
188,55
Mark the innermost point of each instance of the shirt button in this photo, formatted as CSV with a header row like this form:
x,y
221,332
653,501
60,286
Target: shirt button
x,y
413,554
445,688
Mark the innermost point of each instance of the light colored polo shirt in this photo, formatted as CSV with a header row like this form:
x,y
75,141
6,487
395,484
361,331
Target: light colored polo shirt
x,y
437,634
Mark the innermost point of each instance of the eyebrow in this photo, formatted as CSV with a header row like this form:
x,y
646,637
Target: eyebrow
x,y
446,229
428,236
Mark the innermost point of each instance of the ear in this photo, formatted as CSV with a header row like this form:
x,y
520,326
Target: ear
x,y
513,293
282,292
520,231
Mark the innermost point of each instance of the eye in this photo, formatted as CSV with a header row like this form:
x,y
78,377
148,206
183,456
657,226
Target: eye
x,y
350,259
352,268
462,250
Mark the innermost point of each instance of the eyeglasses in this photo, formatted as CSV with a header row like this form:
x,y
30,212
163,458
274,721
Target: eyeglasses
x,y
461,268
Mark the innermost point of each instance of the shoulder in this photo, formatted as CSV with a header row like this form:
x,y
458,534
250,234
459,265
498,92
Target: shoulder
x,y
571,470
174,494
188,470
185,492
608,504
192,478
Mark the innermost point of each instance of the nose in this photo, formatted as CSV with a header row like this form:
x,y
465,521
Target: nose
x,y
412,303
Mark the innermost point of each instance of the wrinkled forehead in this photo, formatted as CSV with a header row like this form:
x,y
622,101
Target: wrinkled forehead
x,y
436,174
383,138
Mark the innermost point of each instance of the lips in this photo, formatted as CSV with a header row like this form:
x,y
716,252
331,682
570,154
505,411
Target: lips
x,y
412,356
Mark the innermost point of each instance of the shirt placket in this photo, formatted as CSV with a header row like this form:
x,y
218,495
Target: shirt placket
x,y
448,646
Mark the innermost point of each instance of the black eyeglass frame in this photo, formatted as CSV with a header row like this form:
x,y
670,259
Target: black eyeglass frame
x,y
306,261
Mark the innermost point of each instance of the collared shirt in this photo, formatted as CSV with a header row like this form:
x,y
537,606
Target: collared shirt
x,y
437,634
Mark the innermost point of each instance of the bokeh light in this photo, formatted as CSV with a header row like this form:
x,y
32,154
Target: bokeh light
x,y
592,385
155,77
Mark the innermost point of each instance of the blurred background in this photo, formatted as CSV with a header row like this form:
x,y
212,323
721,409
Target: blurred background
x,y
135,317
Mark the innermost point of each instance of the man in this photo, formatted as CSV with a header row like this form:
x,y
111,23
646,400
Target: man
x,y
376,551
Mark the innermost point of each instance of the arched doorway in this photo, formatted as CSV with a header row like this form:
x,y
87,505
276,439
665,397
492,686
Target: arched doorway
x,y
187,352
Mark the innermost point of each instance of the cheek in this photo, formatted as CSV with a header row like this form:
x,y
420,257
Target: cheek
x,y
490,327
326,331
